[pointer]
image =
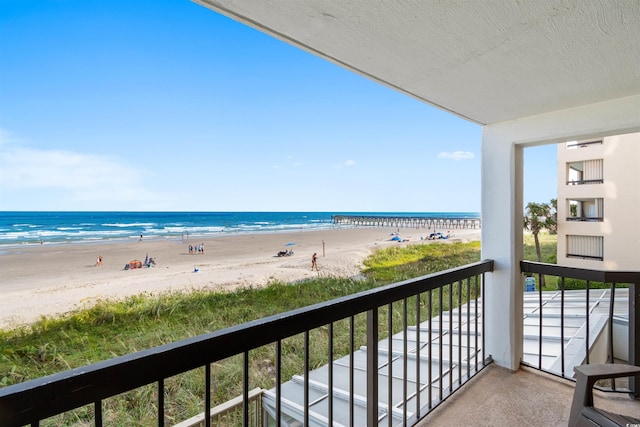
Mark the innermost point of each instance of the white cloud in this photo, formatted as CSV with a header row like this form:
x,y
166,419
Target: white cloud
x,y
289,162
345,164
80,180
456,155
5,137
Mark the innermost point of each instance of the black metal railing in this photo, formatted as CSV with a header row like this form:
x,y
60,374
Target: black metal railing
x,y
33,401
585,181
587,305
583,256
585,218
584,144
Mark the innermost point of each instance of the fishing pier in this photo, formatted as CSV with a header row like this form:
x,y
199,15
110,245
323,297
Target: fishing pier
x,y
435,223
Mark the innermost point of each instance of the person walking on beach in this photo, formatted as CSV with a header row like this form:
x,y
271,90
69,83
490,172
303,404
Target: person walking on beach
x,y
314,262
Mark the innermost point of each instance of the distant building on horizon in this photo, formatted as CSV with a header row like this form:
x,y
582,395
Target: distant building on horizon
x,y
599,203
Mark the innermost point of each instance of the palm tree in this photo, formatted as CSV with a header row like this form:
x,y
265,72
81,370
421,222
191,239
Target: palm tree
x,y
538,217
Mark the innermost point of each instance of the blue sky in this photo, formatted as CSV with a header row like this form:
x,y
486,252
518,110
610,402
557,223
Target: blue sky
x,y
159,105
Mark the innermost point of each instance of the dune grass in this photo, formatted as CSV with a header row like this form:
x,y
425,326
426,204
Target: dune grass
x,y
113,328
548,245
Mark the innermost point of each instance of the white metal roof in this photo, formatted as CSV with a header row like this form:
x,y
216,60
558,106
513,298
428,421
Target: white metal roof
x,y
575,329
462,341
485,60
461,354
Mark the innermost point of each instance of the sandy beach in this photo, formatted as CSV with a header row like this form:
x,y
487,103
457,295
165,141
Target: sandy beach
x,y
50,280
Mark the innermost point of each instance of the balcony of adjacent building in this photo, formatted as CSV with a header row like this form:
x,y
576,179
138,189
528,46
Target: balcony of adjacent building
x,y
585,210
584,172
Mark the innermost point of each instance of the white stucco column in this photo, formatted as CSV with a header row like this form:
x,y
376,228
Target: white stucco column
x,y
502,204
502,172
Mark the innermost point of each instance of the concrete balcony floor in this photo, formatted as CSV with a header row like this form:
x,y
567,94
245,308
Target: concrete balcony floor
x,y
527,397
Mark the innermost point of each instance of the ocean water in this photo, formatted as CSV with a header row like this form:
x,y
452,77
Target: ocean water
x,y
32,228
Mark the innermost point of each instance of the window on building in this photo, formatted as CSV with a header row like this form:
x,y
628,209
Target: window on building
x,y
585,209
585,172
582,144
585,247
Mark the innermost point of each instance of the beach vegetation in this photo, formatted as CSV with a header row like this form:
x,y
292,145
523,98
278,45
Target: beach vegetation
x,y
113,328
539,217
548,244
400,263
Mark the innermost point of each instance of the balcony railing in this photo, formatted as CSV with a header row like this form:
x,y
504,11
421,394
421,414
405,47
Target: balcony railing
x,y
428,370
585,181
583,144
585,218
593,317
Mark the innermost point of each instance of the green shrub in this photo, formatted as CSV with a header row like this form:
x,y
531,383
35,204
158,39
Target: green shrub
x,y
575,284
548,244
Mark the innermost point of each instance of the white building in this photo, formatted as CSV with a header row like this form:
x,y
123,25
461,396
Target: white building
x,y
599,203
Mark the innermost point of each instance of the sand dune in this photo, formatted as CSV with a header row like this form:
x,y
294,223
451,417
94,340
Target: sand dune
x,y
51,280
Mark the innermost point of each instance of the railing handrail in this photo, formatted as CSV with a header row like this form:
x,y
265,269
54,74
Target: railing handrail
x,y
233,404
585,218
585,181
583,144
580,273
47,396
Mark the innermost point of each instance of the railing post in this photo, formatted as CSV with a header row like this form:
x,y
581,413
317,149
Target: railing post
x,y
634,330
372,368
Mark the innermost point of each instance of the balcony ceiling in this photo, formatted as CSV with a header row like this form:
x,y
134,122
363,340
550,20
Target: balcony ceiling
x,y
484,60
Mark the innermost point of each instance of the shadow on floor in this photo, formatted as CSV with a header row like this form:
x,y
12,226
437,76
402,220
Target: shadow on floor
x,y
527,397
